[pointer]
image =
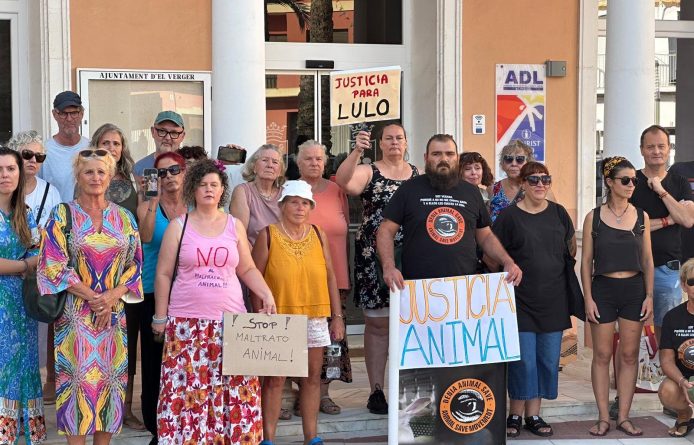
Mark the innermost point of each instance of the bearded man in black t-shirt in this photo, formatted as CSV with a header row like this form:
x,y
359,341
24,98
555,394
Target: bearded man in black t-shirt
x,y
667,199
443,220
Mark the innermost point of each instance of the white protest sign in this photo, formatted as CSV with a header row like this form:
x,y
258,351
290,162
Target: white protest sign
x,y
457,321
260,344
364,95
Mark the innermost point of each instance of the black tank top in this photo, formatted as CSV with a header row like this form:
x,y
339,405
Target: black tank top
x,y
616,250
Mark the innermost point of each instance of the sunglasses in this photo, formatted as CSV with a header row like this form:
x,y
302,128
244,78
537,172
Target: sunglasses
x,y
520,159
28,154
535,180
98,152
174,170
690,281
625,180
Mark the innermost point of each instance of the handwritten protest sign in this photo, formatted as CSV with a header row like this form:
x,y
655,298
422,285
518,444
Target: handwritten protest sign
x,y
457,321
259,344
364,95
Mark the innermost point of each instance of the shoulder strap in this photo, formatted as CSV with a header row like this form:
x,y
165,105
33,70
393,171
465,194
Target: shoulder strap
x,y
43,201
640,225
267,235
318,233
596,223
68,218
178,252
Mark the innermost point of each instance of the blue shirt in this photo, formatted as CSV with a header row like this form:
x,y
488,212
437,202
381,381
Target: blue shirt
x,y
150,251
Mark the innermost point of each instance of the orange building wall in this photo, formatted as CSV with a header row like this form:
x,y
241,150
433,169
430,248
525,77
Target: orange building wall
x,y
525,31
141,34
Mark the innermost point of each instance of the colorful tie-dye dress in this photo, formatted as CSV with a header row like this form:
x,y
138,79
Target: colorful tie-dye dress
x,y
90,365
20,381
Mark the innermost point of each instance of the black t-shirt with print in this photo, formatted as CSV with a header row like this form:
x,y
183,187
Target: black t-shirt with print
x,y
678,334
665,243
439,228
686,170
537,242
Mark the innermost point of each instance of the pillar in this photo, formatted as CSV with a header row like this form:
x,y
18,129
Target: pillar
x,y
629,76
238,74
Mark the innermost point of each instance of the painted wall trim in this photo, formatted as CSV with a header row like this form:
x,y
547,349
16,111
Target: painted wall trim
x,y
55,57
449,85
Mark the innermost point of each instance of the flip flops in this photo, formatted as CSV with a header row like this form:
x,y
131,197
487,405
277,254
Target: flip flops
x,y
598,433
675,431
626,431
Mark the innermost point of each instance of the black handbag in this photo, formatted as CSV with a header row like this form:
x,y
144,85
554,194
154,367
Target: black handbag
x,y
45,308
577,307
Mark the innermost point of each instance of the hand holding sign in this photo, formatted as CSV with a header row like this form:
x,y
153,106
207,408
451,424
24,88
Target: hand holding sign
x,y
363,141
364,95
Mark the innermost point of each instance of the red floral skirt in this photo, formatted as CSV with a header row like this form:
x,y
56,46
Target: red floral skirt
x,y
197,404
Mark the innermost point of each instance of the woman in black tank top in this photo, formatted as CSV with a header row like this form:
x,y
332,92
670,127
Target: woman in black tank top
x,y
618,263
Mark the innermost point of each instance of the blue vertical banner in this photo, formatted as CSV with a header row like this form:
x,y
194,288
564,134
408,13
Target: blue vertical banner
x,y
520,107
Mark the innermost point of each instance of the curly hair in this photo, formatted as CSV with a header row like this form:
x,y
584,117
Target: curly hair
x,y
24,138
472,157
513,147
194,176
249,175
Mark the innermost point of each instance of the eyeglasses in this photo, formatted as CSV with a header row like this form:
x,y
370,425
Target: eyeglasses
x,y
162,133
89,153
28,154
690,281
174,170
66,114
625,180
520,159
535,180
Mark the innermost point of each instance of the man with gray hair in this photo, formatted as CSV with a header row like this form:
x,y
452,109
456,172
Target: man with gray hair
x,y
64,145
168,133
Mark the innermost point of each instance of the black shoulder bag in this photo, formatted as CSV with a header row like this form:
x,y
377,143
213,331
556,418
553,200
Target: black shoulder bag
x,y
49,307
577,307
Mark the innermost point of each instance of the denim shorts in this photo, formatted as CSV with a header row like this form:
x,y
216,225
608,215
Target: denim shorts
x,y
536,374
667,292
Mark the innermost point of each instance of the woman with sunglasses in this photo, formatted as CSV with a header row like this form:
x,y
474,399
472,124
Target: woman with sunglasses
x,y
20,381
677,356
99,264
41,197
123,191
617,259
508,190
155,215
537,233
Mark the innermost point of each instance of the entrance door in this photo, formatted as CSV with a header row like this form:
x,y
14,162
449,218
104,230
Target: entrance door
x,y
9,115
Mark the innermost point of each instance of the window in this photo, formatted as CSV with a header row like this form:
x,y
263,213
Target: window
x,y
131,100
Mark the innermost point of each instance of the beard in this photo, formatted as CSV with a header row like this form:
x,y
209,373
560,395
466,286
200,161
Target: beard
x,y
442,181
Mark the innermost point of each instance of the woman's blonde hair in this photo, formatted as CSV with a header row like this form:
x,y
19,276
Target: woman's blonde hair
x,y
513,147
686,269
80,160
249,175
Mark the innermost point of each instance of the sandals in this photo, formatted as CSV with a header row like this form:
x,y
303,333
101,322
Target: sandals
x,y
328,406
535,423
285,414
675,431
513,422
598,433
316,441
634,433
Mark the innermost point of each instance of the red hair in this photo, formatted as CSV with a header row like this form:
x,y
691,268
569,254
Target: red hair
x,y
177,158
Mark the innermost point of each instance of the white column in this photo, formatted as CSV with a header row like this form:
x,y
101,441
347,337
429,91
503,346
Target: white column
x,y
54,20
629,76
238,74
449,84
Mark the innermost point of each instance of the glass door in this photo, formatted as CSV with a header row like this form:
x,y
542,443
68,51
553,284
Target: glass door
x,y
8,79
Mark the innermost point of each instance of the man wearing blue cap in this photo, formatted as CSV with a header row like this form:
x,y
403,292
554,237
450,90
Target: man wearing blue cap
x,y
64,145
168,133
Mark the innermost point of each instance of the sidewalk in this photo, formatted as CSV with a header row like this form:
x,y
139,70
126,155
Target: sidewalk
x,y
356,425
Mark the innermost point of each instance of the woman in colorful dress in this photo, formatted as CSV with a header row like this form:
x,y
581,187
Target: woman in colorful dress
x,y
332,215
123,191
294,258
99,263
197,404
20,381
375,184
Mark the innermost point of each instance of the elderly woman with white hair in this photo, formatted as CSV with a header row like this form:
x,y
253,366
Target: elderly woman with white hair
x,y
98,262
332,215
294,257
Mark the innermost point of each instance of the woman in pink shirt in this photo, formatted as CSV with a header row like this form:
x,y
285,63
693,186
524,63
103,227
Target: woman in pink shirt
x,y
203,255
332,215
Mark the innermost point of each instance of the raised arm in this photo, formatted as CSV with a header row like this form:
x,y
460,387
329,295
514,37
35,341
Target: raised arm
x,y
352,177
147,215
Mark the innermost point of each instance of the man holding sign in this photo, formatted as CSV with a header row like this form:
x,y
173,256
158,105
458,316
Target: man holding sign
x,y
443,219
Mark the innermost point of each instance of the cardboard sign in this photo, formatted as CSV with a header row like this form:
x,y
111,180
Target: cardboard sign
x,y
260,344
466,325
520,107
364,95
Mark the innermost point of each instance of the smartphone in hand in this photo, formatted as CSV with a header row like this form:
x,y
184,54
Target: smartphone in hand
x,y
151,182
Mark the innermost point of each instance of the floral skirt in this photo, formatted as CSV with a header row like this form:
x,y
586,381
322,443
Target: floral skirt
x,y
197,404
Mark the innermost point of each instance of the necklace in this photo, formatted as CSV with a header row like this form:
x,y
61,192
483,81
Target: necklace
x,y
265,196
618,217
303,232
92,208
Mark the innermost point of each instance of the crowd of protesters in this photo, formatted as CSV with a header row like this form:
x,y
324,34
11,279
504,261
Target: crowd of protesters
x,y
75,211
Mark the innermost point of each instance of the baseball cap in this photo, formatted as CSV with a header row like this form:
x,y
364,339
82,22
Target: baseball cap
x,y
67,99
169,116
299,188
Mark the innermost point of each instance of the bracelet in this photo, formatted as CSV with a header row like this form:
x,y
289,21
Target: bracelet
x,y
342,316
663,195
156,320
664,222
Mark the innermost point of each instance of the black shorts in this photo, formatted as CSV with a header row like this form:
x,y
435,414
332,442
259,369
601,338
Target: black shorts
x,y
618,297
